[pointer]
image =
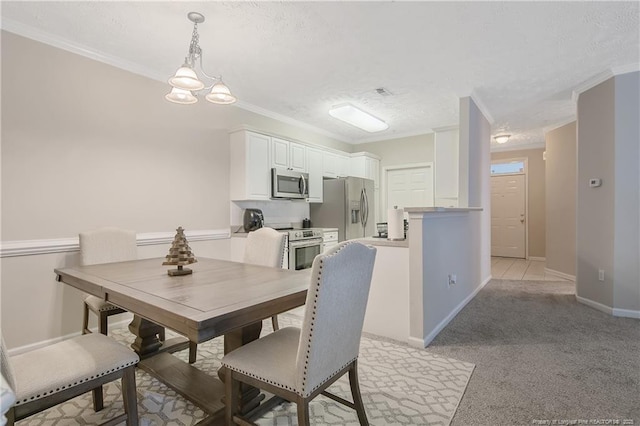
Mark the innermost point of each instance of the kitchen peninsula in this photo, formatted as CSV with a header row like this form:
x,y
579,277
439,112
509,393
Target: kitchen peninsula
x,y
420,284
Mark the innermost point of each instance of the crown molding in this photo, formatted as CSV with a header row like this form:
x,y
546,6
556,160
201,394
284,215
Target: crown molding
x,y
445,128
79,49
481,106
383,138
559,124
602,77
64,245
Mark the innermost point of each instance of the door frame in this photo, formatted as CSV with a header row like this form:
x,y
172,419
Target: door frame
x,y
383,185
525,161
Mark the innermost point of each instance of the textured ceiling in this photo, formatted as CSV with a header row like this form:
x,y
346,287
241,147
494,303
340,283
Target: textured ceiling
x,y
519,60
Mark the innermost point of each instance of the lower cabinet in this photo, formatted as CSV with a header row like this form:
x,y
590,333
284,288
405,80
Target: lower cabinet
x,y
329,239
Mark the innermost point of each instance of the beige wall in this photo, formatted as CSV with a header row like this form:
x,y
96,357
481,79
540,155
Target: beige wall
x,y
396,152
85,145
561,199
608,217
536,196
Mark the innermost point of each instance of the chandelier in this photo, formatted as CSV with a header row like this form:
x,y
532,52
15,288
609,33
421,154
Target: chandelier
x,y
186,84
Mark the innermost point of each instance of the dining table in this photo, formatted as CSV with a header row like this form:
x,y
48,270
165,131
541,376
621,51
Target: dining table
x,y
219,298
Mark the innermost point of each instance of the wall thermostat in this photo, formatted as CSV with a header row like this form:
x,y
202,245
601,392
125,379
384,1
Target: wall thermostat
x,y
595,182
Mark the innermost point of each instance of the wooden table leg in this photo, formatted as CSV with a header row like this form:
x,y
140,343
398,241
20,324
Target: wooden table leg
x,y
250,397
147,342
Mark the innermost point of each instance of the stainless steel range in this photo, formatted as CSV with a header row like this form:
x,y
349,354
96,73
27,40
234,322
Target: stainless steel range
x,y
303,246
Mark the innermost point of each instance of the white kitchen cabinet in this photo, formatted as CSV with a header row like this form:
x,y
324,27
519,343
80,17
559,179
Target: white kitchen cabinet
x,y
314,168
446,156
366,166
288,155
250,177
335,165
329,238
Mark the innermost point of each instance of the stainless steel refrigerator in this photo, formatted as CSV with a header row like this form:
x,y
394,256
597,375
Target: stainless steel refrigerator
x,y
347,204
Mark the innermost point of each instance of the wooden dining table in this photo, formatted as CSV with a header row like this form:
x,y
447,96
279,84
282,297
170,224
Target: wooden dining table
x,y
220,298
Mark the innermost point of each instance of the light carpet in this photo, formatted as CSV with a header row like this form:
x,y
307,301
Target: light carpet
x,y
400,385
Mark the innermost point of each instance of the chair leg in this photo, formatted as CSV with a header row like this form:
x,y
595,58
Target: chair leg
x,y
103,318
355,393
10,416
232,394
98,399
303,412
274,322
162,336
85,319
129,395
193,349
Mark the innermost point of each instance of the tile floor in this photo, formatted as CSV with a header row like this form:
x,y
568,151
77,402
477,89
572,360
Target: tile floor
x,y
508,268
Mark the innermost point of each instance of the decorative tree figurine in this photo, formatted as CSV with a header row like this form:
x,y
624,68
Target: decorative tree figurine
x,y
180,254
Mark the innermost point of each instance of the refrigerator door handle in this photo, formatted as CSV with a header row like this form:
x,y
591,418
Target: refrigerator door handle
x,y
362,207
366,208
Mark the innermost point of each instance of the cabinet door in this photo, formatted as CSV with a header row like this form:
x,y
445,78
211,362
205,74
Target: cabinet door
x,y
297,155
258,180
342,165
314,168
279,153
329,164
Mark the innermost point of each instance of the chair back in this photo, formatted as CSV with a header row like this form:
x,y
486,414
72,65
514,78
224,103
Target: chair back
x,y
5,366
334,313
265,247
107,245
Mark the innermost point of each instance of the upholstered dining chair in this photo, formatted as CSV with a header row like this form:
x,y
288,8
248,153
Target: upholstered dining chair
x,y
265,247
299,364
48,376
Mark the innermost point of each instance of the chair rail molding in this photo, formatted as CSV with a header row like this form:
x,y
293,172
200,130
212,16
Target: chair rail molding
x,y
62,245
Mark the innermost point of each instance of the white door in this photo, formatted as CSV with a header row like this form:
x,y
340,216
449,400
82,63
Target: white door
x,y
409,187
508,216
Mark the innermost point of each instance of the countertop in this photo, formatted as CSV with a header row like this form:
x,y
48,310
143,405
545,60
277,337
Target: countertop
x,y
384,242
441,209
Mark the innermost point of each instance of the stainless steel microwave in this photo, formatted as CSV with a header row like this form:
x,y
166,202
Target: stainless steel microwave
x,y
289,184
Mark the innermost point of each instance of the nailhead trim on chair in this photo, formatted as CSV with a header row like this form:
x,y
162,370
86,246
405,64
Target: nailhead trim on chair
x,y
86,379
108,308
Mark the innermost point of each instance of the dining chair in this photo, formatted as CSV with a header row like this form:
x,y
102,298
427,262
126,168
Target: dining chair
x,y
98,246
50,375
298,364
265,247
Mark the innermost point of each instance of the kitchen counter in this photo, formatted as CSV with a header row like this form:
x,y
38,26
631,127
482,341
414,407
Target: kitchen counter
x,y
384,242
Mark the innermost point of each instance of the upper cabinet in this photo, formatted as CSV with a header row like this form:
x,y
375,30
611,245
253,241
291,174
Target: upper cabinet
x,y
335,165
288,155
446,156
365,165
250,177
314,168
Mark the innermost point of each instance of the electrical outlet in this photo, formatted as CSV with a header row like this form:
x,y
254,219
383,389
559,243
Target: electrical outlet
x,y
452,279
600,274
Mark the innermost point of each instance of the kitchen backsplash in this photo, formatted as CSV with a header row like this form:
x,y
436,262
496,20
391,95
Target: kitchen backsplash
x,y
275,212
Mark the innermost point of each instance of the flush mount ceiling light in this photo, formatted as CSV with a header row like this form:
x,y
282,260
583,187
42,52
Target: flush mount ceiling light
x,y
357,117
185,83
502,138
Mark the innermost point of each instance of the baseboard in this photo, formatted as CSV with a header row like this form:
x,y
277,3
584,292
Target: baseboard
x,y
595,305
423,343
560,274
626,313
43,343
539,259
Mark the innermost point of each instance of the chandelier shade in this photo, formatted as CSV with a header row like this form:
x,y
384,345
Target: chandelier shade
x,y
220,94
502,138
186,83
181,96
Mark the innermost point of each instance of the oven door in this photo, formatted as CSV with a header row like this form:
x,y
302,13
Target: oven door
x,y
302,253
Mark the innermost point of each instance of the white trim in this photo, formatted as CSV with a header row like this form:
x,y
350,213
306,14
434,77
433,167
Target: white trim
x,y
79,49
560,274
599,306
63,245
559,124
539,259
521,147
446,128
418,343
481,106
590,83
627,313
41,344
625,69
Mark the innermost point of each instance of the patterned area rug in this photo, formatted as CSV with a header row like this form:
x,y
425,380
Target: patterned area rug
x,y
400,386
